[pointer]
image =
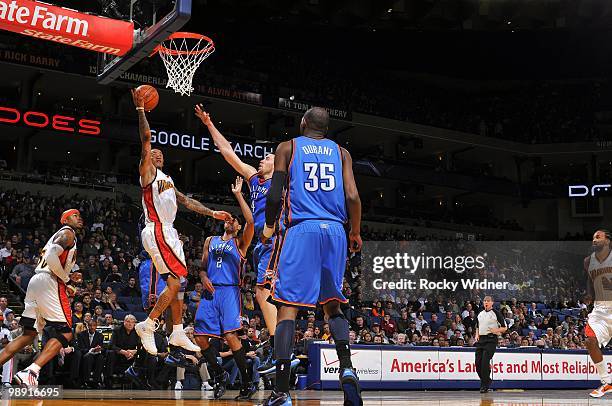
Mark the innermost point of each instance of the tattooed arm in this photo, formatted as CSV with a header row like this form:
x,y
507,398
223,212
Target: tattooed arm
x,y
195,206
146,167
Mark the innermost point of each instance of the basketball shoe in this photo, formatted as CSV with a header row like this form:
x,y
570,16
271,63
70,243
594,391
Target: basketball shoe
x,y
27,378
602,390
180,339
146,333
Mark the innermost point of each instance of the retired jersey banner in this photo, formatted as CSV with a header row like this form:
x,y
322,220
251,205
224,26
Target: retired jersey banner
x,y
65,26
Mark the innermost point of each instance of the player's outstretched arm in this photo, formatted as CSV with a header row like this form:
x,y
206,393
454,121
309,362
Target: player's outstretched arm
x,y
146,167
353,202
282,157
249,227
195,206
203,272
245,170
64,240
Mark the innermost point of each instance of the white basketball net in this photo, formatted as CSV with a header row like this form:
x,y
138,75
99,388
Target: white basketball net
x,y
182,57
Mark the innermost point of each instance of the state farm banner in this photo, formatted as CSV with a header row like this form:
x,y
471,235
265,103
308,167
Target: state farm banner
x,y
65,26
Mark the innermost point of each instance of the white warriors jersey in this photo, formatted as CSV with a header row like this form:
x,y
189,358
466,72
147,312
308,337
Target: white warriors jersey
x,y
67,258
159,199
601,275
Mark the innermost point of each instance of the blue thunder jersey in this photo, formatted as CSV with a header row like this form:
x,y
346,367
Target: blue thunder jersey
x,y
315,184
224,262
151,284
259,190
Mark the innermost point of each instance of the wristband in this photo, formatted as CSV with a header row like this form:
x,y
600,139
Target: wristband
x,y
139,108
268,231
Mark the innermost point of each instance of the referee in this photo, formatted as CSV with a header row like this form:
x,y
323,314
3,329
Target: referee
x,y
489,324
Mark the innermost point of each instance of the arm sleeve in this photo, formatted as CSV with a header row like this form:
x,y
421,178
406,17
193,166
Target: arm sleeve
x,y
500,318
273,199
54,264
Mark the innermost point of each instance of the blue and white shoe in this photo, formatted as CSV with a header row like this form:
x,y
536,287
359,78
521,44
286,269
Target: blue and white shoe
x,y
350,386
278,399
220,385
270,367
136,378
178,359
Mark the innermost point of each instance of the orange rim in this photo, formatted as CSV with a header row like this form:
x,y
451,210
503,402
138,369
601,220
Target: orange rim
x,y
161,48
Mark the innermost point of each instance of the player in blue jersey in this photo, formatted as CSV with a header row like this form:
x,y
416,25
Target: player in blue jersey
x,y
321,196
264,254
219,311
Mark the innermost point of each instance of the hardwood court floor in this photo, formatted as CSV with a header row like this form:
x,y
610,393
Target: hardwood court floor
x,y
318,398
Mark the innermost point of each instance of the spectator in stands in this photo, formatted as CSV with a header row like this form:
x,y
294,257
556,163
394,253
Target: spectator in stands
x,y
132,289
90,345
434,324
404,322
97,299
89,248
92,269
108,321
359,323
87,303
448,319
105,269
23,271
114,304
470,321
378,310
390,310
420,322
123,348
6,251
4,309
115,276
389,326
77,313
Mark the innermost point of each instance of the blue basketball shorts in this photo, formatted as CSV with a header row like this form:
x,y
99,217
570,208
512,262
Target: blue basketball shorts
x,y
220,312
311,264
262,259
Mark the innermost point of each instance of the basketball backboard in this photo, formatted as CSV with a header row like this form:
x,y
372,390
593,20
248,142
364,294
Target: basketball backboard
x,y
111,67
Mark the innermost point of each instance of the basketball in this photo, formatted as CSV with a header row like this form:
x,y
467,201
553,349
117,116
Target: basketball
x,y
151,97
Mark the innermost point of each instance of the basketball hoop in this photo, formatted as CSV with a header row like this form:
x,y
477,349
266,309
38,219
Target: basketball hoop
x,y
182,53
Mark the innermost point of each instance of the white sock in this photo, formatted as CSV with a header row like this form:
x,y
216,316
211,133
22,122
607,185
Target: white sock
x,y
35,368
603,372
177,327
150,323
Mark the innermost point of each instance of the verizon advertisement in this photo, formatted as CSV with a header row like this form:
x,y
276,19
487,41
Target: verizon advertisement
x,y
367,362
65,26
395,365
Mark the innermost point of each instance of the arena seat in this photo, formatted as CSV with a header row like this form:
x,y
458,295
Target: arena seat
x,y
119,314
140,316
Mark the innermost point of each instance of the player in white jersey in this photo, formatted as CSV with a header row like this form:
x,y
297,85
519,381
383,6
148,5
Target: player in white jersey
x,y
46,303
160,239
598,266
